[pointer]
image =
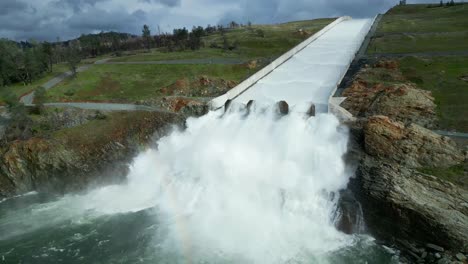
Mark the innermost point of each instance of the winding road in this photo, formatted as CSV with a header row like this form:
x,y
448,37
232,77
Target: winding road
x,y
106,106
225,61
28,99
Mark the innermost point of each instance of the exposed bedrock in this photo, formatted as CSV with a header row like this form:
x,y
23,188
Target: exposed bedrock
x,y
87,155
400,202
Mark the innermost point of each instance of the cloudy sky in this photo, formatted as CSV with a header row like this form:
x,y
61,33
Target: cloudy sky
x,y
49,19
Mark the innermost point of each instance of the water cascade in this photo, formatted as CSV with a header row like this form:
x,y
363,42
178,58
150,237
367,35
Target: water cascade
x,y
230,188
246,186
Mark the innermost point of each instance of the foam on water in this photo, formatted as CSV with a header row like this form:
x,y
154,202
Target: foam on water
x,y
255,186
251,188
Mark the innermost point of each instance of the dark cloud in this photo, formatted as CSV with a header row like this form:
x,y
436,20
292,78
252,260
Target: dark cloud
x,y
77,5
11,6
272,11
170,3
97,20
47,19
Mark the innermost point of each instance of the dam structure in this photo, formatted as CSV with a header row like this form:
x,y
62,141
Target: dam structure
x,y
228,187
309,73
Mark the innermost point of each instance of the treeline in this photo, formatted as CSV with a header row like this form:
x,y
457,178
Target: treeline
x,y
23,63
442,4
26,61
178,40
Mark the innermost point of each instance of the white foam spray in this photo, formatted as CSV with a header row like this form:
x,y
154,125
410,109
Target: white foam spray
x,y
255,187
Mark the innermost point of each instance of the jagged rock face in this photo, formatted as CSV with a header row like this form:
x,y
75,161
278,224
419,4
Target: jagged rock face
x,y
412,146
63,164
41,164
402,203
401,102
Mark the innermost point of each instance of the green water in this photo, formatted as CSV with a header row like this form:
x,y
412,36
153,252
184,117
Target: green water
x,y
42,229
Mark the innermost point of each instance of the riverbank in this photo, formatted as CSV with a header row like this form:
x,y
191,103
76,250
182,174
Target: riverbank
x,y
411,182
66,149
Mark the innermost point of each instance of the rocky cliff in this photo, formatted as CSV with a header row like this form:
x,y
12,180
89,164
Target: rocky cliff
x,y
407,203
421,214
80,154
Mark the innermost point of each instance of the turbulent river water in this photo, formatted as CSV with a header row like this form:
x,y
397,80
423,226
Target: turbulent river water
x,y
230,188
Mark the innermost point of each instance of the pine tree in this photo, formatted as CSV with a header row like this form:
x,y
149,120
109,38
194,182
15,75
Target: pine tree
x,y
147,36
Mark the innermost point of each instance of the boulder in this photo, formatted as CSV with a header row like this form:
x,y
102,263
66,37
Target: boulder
x,y
401,102
412,145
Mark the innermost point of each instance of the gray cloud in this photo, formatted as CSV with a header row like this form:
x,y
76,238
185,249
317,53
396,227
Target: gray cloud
x,y
97,19
47,19
76,5
170,3
11,6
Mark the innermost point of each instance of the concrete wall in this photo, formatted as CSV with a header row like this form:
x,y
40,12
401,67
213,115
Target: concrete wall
x,y
236,91
334,102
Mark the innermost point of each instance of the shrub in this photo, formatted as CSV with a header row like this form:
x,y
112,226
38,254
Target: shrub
x,y
69,92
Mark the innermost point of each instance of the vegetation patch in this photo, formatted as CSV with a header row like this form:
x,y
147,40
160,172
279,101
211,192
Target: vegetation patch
x,y
414,43
130,83
422,28
18,89
247,42
441,76
455,174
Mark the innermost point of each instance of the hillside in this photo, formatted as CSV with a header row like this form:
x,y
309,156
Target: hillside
x,y
430,45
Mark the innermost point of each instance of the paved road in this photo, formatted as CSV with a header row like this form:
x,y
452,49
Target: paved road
x,y
419,54
29,98
226,61
451,134
107,106
384,34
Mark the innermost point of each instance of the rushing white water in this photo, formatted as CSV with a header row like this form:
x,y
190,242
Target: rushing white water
x,y
232,188
254,187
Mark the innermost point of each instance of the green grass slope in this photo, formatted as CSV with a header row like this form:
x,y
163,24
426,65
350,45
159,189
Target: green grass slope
x,y
276,40
130,83
421,28
430,30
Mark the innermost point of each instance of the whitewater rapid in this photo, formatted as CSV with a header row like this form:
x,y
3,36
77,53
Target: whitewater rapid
x,y
256,188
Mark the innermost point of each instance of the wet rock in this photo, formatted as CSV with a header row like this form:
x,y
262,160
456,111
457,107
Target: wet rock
x,y
194,108
412,205
437,255
398,200
444,260
434,247
63,164
460,257
349,213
